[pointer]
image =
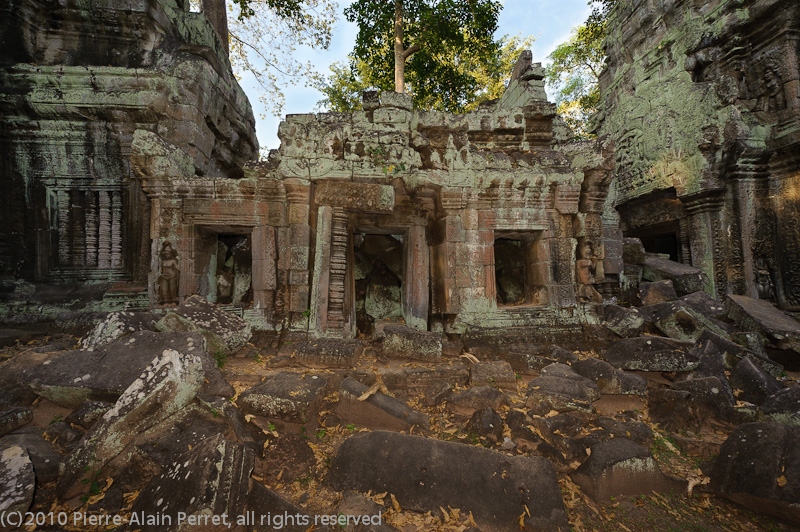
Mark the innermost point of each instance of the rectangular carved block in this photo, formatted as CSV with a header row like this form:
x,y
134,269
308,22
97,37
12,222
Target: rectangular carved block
x,y
363,197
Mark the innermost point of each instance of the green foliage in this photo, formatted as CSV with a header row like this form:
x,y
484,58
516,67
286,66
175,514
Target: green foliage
x,y
438,37
264,36
92,479
343,87
221,357
56,419
574,71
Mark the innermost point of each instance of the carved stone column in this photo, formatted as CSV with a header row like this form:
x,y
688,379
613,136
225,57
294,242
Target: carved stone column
x,y
708,243
416,281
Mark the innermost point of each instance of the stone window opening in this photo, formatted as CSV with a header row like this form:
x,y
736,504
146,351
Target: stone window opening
x,y
520,269
662,239
378,275
230,270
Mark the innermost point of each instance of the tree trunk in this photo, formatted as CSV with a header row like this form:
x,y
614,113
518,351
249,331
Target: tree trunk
x,y
399,56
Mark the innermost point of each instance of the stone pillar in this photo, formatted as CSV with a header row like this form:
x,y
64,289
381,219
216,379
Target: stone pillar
x,y
787,240
707,242
294,252
264,270
416,278
747,192
320,283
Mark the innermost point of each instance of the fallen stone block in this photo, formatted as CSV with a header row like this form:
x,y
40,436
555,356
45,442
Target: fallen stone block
x,y
486,423
632,251
686,279
475,398
657,292
625,322
621,467
378,411
495,373
437,393
166,386
104,374
63,436
759,467
672,409
561,389
609,379
682,322
762,316
711,396
418,379
279,514
327,352
754,383
355,504
290,397
117,325
17,481
651,353
224,332
44,457
625,428
88,413
718,354
209,481
404,342
783,406
11,420
704,304
422,475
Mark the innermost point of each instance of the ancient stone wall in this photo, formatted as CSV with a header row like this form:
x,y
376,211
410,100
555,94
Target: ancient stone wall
x,y
395,213
702,99
78,84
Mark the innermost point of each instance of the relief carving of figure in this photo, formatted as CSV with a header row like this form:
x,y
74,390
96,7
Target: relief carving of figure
x,y
772,97
586,271
168,280
764,285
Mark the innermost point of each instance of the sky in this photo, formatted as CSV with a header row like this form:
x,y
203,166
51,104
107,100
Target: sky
x,y
548,21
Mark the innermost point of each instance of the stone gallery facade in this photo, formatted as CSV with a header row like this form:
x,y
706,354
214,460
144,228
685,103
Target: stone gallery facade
x,y
126,140
702,101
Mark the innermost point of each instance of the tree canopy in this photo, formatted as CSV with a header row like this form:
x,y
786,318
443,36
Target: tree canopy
x,y
343,87
575,69
264,36
424,45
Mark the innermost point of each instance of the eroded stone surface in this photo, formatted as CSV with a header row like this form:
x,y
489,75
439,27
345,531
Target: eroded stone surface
x,y
224,332
378,411
423,476
287,396
759,466
11,420
621,467
105,373
167,385
116,325
17,481
213,478
404,342
651,353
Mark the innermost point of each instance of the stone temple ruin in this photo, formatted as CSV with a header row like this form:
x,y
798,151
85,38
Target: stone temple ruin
x,y
702,100
582,316
126,163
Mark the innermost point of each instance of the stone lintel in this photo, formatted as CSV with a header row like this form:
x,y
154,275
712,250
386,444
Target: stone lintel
x,y
363,197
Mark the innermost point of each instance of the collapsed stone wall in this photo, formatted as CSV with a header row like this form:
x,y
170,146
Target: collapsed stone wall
x,y
78,84
702,99
443,187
